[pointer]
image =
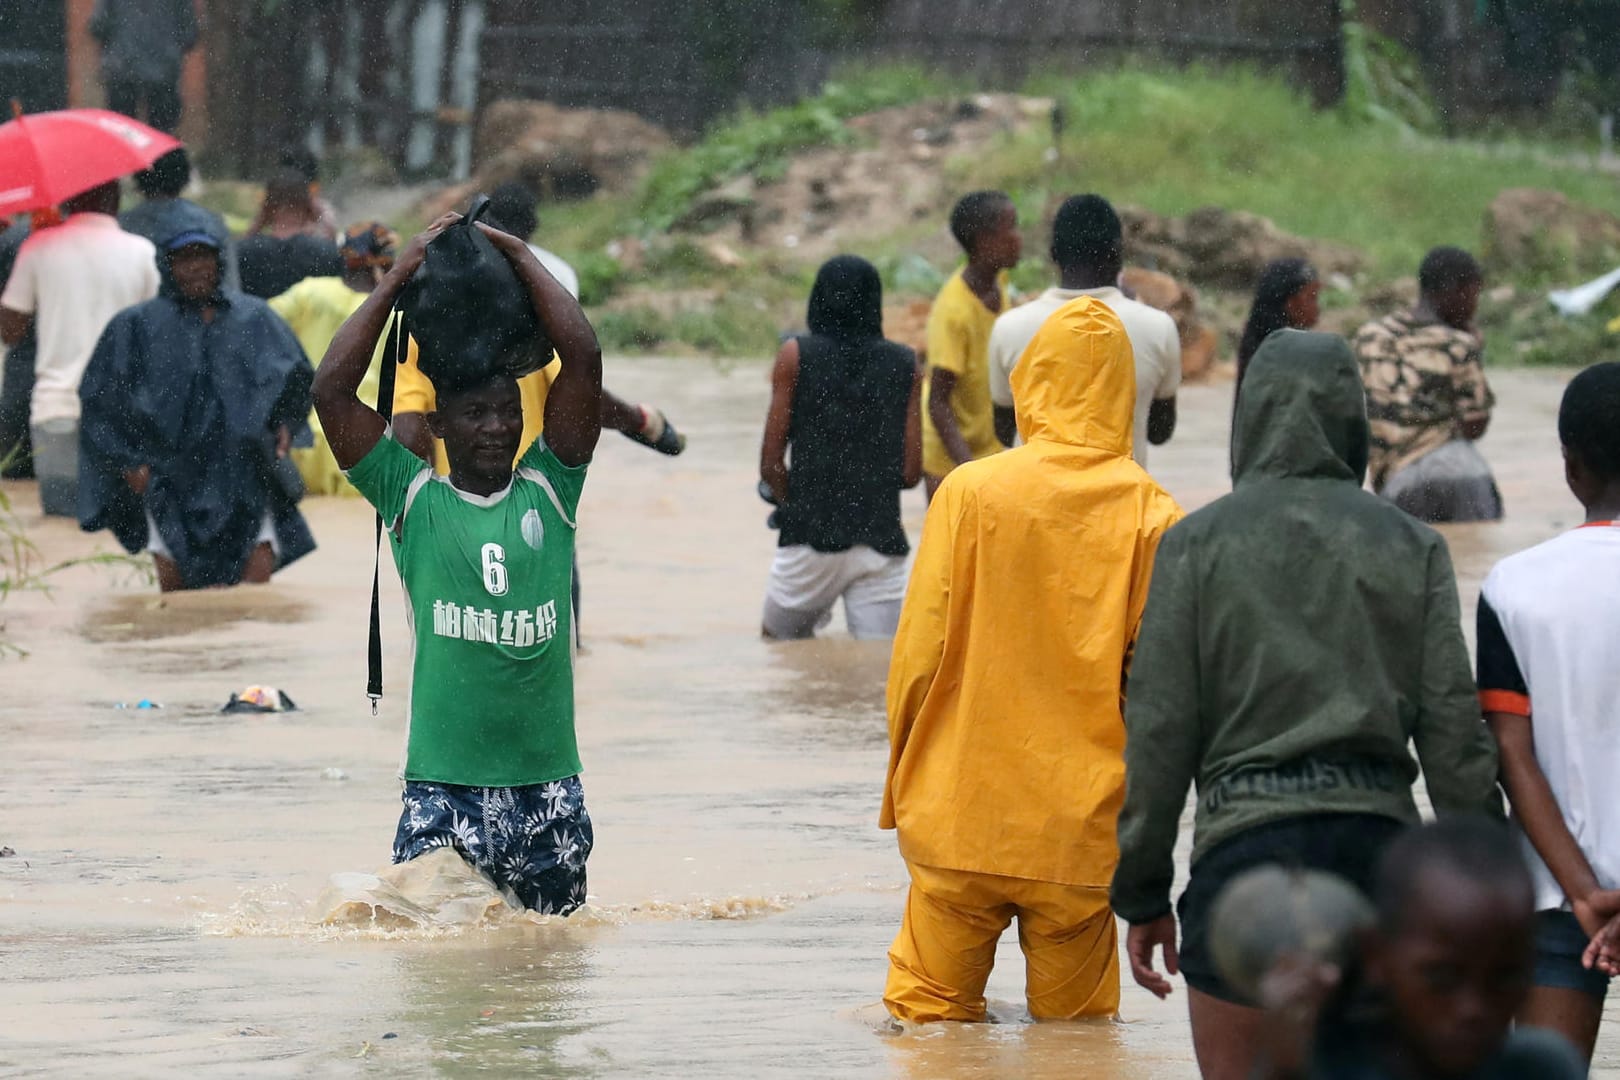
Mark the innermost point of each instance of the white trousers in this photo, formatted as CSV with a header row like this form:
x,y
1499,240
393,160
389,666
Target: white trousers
x,y
806,583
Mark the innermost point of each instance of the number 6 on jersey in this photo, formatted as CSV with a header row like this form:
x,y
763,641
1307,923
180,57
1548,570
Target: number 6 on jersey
x,y
495,569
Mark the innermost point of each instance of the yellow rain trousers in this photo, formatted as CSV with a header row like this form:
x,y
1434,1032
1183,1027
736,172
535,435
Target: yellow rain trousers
x,y
1006,733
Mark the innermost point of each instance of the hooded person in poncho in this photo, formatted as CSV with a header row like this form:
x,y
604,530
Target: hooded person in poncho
x,y
191,402
1006,762
1300,633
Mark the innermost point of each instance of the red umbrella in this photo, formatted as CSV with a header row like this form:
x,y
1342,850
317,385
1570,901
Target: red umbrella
x,y
51,156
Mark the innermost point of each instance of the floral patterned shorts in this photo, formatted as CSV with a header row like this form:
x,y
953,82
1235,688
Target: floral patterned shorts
x,y
531,840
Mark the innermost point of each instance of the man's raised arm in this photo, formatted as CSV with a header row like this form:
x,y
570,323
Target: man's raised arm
x,y
574,404
352,427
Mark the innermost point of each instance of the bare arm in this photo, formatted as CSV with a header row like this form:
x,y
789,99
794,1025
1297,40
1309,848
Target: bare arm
x,y
911,469
411,432
352,427
942,384
1006,418
773,448
620,415
1161,422
574,405
1537,811
13,326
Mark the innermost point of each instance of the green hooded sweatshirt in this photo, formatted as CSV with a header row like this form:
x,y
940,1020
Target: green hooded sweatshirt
x,y
1299,634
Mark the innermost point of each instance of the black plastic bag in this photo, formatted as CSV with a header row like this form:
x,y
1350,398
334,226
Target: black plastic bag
x,y
469,314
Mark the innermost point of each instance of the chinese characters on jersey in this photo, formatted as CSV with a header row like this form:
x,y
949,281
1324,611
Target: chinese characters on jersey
x,y
516,629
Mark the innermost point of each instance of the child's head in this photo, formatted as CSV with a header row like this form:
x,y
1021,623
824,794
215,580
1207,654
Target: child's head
x,y
985,223
301,160
1451,280
1087,237
1454,946
167,177
1589,428
288,193
512,208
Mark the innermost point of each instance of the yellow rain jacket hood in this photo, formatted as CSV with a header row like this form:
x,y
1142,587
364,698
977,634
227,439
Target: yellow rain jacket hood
x,y
1005,691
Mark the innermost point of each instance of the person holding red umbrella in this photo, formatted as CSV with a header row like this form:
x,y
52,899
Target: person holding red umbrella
x,y
67,284
69,281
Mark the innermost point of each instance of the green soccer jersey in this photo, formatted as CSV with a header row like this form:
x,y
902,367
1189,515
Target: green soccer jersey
x,y
488,591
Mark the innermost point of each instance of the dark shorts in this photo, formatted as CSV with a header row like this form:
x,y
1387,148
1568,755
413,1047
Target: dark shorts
x,y
1348,845
532,841
1560,943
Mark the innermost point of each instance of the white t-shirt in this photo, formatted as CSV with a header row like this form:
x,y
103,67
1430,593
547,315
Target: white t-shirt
x,y
558,268
73,279
1154,341
1549,639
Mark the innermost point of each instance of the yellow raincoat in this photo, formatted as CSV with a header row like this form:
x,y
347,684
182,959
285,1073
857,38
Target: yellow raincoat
x,y
1007,740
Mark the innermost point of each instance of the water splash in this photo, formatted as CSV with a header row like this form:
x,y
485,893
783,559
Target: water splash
x,y
439,895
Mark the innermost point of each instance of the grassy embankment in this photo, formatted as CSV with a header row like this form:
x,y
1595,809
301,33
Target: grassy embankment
x,y
1168,141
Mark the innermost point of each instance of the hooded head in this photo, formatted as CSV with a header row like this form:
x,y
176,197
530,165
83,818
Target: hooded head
x,y
1076,382
191,266
1302,413
847,300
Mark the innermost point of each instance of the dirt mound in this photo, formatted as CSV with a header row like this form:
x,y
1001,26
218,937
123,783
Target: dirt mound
x,y
888,176
561,153
1531,231
1199,339
908,324
1226,248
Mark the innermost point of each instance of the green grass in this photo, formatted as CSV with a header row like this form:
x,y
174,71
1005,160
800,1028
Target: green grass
x,y
1169,140
1532,333
731,327
1173,142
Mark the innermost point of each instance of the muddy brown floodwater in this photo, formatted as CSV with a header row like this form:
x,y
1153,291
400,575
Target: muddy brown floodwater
x,y
162,912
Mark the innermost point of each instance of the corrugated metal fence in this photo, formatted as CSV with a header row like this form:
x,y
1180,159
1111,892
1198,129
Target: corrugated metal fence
x,y
406,76
1007,40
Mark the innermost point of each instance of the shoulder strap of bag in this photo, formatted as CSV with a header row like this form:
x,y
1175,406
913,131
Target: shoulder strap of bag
x,y
393,355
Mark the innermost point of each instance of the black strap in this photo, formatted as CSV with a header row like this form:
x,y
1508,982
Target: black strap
x,y
393,356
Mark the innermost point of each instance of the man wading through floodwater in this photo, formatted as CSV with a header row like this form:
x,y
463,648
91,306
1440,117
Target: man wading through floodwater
x,y
485,554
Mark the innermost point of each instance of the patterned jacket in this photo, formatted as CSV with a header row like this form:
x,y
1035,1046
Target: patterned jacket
x,y
1424,381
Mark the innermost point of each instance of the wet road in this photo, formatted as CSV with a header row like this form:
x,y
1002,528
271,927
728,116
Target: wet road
x,y
161,913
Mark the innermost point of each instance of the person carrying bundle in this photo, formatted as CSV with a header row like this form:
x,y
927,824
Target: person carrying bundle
x,y
491,762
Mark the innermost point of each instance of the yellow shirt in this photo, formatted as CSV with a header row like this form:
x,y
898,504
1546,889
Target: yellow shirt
x,y
959,341
414,393
1006,727
315,308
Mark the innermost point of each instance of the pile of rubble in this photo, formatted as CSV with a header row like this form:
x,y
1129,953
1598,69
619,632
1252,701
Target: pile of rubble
x,y
1224,248
559,152
887,176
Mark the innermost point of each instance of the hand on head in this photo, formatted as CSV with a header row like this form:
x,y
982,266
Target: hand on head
x,y
410,260
504,242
